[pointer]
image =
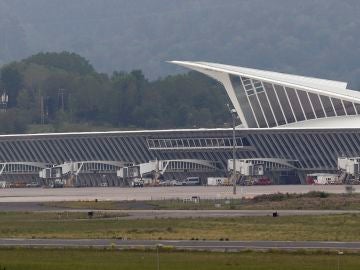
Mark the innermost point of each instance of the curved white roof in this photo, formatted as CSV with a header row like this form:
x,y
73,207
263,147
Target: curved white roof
x,y
336,87
277,76
349,121
265,99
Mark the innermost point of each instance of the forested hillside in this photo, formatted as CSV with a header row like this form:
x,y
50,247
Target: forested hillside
x,y
63,92
310,37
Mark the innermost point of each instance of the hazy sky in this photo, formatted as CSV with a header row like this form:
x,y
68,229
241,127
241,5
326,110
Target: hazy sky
x,y
309,37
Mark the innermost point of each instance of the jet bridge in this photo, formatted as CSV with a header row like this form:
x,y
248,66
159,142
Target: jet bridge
x,y
20,173
274,168
84,173
156,169
349,168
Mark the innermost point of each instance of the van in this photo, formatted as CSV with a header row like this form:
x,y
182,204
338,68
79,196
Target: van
x,y
192,181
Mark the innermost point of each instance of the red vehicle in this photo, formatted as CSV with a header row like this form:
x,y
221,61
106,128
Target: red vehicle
x,y
262,181
310,180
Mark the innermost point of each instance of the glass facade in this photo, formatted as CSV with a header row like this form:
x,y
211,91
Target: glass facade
x,y
258,86
243,100
257,110
269,105
357,107
316,104
267,109
338,106
274,103
280,91
295,104
349,107
305,102
328,107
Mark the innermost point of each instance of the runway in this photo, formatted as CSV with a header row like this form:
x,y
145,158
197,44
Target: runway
x,y
153,193
154,213
179,244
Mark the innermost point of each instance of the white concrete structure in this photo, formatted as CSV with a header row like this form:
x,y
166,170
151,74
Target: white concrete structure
x,y
266,99
283,117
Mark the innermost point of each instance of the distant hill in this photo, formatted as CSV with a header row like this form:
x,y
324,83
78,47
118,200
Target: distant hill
x,y
57,92
317,37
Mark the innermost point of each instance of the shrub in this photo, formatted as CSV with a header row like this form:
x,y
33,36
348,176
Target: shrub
x,y
271,197
317,194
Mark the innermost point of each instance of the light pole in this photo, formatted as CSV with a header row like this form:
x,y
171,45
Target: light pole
x,y
233,114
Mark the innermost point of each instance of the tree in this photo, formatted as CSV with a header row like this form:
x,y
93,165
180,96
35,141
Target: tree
x,y
12,81
80,99
12,121
71,62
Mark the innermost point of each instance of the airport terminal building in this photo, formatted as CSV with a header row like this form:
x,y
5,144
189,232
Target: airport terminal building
x,y
300,122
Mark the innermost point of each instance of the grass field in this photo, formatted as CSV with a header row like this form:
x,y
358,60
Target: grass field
x,y
308,201
77,225
87,259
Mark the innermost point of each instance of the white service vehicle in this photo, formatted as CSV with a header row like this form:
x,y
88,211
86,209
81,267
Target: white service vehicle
x,y
323,179
218,181
191,181
137,183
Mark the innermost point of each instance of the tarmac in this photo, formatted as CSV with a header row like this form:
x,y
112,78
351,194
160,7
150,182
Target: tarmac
x,y
153,193
181,244
29,199
154,214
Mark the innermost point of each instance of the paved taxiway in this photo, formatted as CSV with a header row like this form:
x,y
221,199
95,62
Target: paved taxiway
x,y
151,214
180,244
152,193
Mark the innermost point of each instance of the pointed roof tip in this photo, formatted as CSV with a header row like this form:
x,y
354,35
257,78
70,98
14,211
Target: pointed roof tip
x,y
176,62
324,84
187,64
